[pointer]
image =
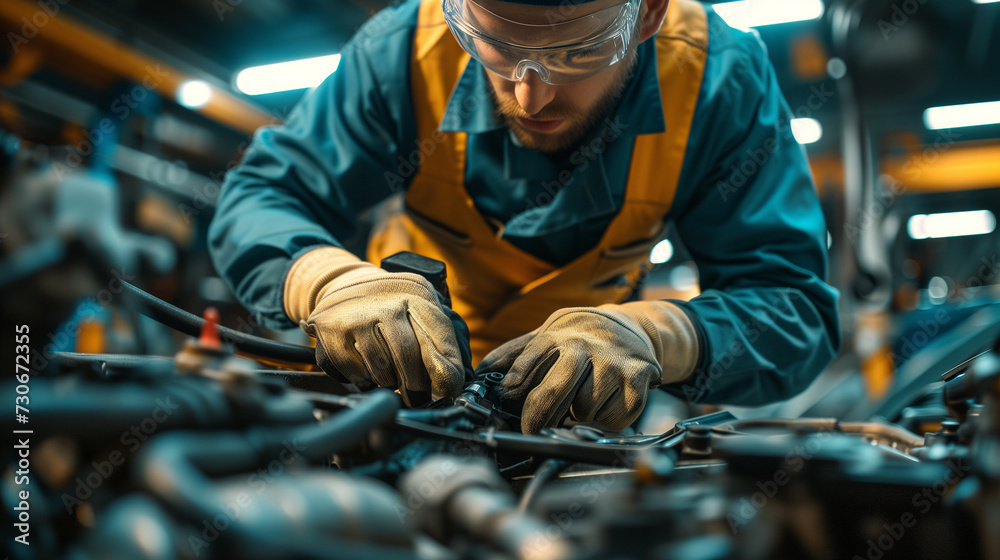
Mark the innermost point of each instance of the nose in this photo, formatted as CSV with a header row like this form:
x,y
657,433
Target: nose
x,y
532,93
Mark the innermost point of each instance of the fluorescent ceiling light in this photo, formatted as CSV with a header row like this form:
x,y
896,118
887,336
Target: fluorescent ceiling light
x,y
806,131
662,252
937,288
951,224
757,13
957,116
286,76
984,1
194,94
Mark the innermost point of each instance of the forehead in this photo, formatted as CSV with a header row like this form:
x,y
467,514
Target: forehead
x,y
537,15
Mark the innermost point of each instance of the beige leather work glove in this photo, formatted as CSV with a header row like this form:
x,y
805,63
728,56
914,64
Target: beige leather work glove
x,y
378,328
594,363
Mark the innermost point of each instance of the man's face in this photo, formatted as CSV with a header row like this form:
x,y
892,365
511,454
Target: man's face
x,y
551,118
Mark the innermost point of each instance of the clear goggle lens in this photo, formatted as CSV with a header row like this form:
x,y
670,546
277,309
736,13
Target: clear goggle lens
x,y
560,52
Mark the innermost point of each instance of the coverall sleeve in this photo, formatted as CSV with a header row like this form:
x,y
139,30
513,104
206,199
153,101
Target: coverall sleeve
x,y
303,184
755,228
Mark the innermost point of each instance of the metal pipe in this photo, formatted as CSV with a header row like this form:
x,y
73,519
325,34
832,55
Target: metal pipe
x,y
79,47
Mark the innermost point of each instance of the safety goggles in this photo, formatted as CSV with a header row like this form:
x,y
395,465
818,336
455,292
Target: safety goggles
x,y
561,52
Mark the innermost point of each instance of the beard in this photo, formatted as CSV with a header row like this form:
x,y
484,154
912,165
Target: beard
x,y
580,123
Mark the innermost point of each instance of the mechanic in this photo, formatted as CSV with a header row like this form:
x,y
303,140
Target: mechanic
x,y
541,148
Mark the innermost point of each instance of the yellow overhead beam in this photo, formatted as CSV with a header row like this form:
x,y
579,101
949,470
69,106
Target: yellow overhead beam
x,y
947,167
88,54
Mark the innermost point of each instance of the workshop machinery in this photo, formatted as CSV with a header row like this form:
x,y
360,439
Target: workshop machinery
x,y
211,454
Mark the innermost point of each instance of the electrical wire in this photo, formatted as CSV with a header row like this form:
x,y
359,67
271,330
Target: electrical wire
x,y
549,470
188,323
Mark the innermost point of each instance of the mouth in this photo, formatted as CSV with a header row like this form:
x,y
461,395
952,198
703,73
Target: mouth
x,y
540,126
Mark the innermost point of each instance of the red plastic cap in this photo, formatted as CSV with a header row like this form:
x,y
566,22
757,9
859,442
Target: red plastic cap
x,y
210,329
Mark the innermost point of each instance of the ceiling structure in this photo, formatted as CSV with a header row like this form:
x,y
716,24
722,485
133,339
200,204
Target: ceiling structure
x,y
941,53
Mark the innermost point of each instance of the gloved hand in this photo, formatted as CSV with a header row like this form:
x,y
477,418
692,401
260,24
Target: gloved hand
x,y
596,363
378,328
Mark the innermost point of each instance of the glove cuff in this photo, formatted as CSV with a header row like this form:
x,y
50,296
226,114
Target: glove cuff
x,y
313,274
674,338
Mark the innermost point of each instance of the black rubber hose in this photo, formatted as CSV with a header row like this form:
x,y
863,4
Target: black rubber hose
x,y
173,468
347,427
549,470
190,324
176,468
97,411
610,454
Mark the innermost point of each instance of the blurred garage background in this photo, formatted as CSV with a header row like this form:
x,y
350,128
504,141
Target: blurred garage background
x,y
120,118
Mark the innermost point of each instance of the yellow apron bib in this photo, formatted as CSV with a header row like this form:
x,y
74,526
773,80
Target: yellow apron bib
x,y
501,291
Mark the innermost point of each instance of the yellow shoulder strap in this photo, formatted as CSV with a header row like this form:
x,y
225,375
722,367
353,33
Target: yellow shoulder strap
x,y
681,49
438,62
657,159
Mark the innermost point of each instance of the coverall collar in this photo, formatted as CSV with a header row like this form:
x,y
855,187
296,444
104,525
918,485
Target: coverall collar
x,y
588,194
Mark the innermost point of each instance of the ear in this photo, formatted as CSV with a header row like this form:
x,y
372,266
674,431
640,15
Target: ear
x,y
652,14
